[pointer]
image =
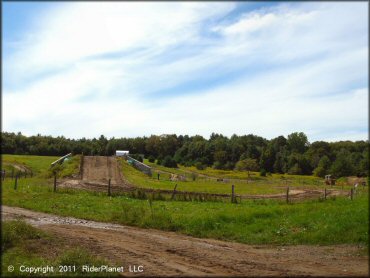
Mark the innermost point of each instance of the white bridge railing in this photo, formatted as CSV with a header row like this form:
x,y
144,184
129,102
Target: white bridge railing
x,y
61,159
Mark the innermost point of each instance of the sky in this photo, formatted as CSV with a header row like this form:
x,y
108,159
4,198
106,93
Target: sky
x,y
122,69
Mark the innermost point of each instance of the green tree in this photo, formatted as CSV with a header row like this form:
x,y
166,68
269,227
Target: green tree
x,y
342,166
364,164
297,142
247,165
151,159
323,166
168,161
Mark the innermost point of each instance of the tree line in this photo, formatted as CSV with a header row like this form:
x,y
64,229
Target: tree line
x,y
292,155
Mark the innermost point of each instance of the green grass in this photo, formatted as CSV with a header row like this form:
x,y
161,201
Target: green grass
x,y
334,221
22,244
261,183
70,167
38,164
41,165
157,167
15,231
199,185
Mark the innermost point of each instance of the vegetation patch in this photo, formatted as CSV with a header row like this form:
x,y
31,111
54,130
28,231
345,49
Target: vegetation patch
x,y
333,221
23,244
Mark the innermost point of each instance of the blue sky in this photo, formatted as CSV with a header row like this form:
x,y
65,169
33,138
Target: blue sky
x,y
131,69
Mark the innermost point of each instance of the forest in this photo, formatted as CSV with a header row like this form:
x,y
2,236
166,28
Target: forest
x,y
293,154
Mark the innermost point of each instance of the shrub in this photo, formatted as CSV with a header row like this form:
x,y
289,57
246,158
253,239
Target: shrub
x,y
263,172
229,165
217,165
159,160
168,161
199,165
138,157
247,165
151,159
15,231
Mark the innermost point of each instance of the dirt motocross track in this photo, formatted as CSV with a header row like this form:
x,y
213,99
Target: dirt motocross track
x,y
170,254
100,169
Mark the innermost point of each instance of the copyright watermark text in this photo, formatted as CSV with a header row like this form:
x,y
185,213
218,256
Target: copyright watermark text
x,y
72,268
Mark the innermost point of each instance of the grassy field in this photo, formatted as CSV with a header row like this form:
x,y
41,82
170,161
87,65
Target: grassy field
x,y
40,165
199,185
328,222
333,221
206,180
22,244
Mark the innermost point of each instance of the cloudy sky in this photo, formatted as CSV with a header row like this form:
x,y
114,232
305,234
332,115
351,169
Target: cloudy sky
x,y
131,69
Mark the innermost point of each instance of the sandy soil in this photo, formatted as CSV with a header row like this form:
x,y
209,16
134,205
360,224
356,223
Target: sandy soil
x,y
170,254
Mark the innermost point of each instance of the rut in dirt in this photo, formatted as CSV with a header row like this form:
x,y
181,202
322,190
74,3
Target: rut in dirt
x,y
169,254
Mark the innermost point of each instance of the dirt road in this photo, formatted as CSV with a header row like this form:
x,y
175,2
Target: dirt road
x,y
100,169
170,254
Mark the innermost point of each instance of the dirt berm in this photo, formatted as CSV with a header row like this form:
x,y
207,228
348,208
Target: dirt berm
x,y
100,169
170,254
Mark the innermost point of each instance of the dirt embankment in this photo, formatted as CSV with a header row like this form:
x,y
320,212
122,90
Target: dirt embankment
x,y
100,169
18,167
170,254
95,172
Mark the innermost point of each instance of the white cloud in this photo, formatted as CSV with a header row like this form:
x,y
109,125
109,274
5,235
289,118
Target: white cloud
x,y
296,67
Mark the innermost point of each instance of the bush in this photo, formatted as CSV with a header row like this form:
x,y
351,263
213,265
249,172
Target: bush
x,y
159,160
15,231
168,161
263,173
229,166
138,157
199,166
151,159
217,165
247,165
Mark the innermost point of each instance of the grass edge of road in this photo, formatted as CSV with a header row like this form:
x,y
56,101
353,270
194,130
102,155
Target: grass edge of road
x,y
334,221
24,247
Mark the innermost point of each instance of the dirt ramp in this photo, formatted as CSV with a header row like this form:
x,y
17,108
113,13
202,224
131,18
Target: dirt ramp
x,y
101,169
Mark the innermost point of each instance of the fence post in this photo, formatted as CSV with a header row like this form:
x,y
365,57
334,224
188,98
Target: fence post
x,y
287,194
174,192
109,193
55,182
158,176
4,175
351,194
81,166
232,194
16,182
12,173
325,193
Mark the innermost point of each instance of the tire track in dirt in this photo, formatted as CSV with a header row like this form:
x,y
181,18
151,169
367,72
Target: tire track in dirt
x,y
170,254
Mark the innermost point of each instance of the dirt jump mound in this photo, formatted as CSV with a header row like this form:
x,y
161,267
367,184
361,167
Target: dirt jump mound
x,y
101,169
